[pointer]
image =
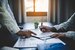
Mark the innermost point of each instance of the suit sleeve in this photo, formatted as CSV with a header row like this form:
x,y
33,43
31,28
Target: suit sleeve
x,y
62,27
70,34
69,25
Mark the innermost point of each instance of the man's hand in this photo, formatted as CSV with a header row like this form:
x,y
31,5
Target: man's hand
x,y
47,29
44,28
26,33
57,35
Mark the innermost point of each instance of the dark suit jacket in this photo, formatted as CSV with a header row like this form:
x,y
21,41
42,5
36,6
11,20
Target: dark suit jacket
x,y
68,26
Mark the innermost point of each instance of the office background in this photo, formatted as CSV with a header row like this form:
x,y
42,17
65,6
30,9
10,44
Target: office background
x,y
63,10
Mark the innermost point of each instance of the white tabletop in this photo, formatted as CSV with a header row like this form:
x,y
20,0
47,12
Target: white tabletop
x,y
31,43
30,25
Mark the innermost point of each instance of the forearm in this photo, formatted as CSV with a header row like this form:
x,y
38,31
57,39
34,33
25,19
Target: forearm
x,y
63,27
6,18
10,23
53,29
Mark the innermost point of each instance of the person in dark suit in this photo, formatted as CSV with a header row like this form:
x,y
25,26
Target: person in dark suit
x,y
63,31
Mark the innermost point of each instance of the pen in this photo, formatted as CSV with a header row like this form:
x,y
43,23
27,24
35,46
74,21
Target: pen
x,y
37,37
44,38
41,23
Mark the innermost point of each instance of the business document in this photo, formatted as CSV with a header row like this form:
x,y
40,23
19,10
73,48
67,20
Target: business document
x,y
33,41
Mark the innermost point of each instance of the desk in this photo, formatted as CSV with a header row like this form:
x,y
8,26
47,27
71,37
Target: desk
x,y
31,43
30,26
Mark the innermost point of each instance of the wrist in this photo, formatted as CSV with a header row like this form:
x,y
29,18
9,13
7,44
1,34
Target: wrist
x,y
53,29
64,35
19,33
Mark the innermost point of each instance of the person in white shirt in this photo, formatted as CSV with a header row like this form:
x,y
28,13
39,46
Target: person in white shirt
x,y
7,21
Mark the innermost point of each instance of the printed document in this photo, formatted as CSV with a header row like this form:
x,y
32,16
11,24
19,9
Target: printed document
x,y
40,38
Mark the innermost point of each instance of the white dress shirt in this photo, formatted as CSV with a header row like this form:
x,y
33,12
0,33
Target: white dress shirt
x,y
7,17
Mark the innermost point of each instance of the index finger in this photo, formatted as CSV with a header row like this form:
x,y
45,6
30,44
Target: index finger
x,y
33,33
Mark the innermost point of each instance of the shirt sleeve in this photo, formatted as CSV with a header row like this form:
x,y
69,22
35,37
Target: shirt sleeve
x,y
9,22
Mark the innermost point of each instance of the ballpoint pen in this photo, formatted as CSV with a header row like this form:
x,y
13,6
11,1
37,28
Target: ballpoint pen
x,y
36,37
41,38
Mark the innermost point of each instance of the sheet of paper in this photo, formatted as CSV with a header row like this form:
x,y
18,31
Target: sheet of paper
x,y
42,35
29,42
33,42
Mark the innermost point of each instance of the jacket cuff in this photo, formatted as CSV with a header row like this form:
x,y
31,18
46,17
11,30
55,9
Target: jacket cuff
x,y
70,34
